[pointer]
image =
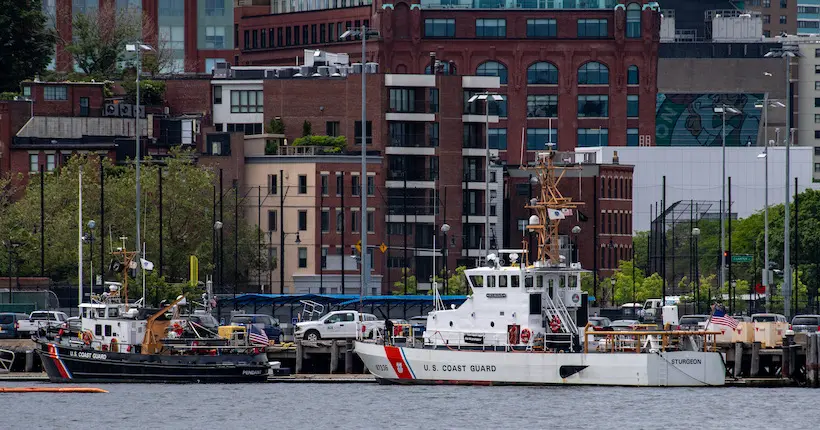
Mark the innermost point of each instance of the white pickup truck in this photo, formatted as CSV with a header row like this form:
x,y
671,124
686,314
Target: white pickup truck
x,y
42,319
339,325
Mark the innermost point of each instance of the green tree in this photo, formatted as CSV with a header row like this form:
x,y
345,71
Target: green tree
x,y
307,128
98,39
412,284
187,226
275,126
27,45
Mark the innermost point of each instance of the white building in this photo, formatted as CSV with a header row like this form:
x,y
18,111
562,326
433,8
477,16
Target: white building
x,y
693,173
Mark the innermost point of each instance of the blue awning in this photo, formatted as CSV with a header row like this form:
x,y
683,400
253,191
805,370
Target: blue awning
x,y
338,299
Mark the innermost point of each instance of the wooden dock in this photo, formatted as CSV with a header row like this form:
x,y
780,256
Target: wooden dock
x,y
323,356
795,362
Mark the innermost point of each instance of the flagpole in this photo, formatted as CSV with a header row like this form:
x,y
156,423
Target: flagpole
x,y
79,238
143,275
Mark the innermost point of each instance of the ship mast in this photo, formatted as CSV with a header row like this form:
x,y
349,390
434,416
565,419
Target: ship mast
x,y
549,207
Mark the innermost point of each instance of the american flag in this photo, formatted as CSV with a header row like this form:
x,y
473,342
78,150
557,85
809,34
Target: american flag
x,y
720,318
257,336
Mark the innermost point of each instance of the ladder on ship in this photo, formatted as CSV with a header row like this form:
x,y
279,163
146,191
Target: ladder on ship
x,y
552,309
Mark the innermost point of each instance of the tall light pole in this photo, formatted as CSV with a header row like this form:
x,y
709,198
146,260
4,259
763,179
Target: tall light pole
x,y
722,109
363,32
138,47
767,103
487,97
786,52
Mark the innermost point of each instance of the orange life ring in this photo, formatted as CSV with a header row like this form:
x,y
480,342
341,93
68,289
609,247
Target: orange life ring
x,y
525,335
87,337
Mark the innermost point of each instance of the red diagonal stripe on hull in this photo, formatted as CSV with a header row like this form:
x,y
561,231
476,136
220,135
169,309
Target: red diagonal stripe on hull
x,y
57,362
399,366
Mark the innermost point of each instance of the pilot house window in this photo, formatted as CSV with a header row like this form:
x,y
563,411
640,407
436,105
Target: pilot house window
x,y
491,282
477,281
502,281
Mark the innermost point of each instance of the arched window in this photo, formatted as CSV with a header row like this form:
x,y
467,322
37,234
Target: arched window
x,y
542,73
492,68
633,20
632,75
593,73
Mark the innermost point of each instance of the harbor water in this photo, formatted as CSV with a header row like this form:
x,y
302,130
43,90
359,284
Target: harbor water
x,y
371,406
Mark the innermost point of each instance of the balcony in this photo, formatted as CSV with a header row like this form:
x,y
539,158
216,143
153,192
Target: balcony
x,y
473,175
411,175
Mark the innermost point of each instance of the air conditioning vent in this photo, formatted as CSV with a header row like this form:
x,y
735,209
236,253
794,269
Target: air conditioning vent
x,y
126,110
111,110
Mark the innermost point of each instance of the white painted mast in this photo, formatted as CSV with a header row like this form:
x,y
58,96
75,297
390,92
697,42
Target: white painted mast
x,y
80,237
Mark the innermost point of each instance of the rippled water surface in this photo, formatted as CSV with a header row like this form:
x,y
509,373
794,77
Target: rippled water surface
x,y
371,406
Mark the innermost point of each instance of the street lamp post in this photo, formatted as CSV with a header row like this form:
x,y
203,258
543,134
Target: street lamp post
x,y
487,97
218,249
767,103
722,109
138,47
695,235
786,52
613,282
89,237
574,255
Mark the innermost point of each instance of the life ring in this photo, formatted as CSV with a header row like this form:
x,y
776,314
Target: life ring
x,y
512,335
555,324
87,337
114,345
525,335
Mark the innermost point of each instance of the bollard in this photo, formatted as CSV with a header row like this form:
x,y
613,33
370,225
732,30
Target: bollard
x,y
754,370
30,360
784,358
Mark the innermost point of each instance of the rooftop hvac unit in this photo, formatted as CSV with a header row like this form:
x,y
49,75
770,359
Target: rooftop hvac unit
x,y
323,71
372,68
357,68
305,70
111,110
126,110
222,70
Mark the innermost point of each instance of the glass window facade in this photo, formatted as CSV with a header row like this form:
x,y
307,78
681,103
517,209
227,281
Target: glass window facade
x,y
632,76
593,28
246,101
632,106
519,4
633,21
540,28
491,28
542,73
593,106
493,68
215,24
439,28
593,137
593,73
632,137
498,138
540,138
542,106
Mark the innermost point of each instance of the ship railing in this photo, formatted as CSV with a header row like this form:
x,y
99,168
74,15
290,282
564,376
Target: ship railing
x,y
558,310
641,341
454,340
6,360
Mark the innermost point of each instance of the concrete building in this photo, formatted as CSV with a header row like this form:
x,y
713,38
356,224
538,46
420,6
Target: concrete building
x,y
695,174
195,34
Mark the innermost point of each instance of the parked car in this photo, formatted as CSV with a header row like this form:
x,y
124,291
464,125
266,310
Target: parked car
x,y
693,322
75,324
599,323
339,325
806,323
419,320
42,320
267,323
205,320
768,318
624,325
8,324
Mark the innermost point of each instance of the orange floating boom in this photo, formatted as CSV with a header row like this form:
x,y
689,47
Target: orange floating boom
x,y
51,390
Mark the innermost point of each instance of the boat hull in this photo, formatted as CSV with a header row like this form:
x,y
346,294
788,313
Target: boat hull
x,y
65,363
399,365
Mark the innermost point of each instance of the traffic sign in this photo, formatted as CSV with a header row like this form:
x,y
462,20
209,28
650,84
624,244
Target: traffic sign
x,y
383,248
742,258
359,246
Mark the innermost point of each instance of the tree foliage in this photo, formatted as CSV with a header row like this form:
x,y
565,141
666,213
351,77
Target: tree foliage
x,y
187,226
26,45
99,37
330,144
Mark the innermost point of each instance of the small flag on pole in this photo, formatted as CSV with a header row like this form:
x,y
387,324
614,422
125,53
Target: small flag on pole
x,y
257,336
720,318
147,265
555,213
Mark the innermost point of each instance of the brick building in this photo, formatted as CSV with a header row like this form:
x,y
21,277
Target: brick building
x,y
195,33
585,76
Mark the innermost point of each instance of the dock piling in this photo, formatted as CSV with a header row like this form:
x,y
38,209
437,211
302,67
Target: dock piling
x,y
334,357
811,360
738,359
299,356
754,369
348,357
